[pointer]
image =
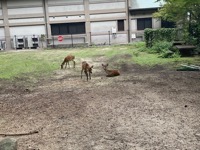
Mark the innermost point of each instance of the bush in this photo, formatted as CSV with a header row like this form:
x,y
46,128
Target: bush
x,y
140,46
161,46
164,34
165,50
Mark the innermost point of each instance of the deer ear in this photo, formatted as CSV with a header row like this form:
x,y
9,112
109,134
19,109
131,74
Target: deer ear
x,y
91,66
106,64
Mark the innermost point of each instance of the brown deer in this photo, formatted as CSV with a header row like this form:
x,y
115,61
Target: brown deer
x,y
66,61
87,69
110,73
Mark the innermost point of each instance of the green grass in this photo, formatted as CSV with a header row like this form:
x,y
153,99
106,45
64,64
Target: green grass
x,y
44,62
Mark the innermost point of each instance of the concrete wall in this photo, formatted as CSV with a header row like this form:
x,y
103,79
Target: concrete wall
x,y
1,21
2,33
26,20
67,18
34,17
61,2
119,38
102,27
22,11
139,35
133,25
101,33
23,3
110,15
69,8
0,9
1,12
27,30
105,6
156,23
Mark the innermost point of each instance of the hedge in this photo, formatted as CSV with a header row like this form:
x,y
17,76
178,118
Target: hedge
x,y
163,34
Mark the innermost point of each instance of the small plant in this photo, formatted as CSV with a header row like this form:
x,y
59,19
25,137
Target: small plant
x,y
136,53
165,50
161,46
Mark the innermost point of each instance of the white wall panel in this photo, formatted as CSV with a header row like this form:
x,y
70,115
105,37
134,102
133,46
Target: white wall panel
x,y
101,39
23,3
2,33
100,1
113,15
19,11
102,26
104,39
27,30
102,6
59,2
156,23
26,20
120,38
133,25
65,18
1,21
55,9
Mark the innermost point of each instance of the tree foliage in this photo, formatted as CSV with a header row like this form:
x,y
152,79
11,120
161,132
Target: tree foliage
x,y
185,13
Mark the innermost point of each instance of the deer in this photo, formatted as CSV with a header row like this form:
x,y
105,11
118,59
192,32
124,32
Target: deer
x,y
110,73
87,69
66,61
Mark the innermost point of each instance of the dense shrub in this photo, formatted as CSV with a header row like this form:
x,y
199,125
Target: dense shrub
x,y
152,36
164,49
161,46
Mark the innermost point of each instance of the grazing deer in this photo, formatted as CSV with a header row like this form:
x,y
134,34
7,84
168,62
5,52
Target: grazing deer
x,y
66,61
87,69
110,73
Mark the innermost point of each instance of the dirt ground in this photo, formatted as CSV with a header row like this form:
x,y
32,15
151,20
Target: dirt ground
x,y
142,109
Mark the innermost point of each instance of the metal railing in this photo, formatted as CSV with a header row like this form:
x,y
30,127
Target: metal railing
x,y
63,41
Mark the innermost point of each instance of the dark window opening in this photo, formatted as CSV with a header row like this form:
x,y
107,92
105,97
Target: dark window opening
x,y
120,25
68,28
143,23
167,24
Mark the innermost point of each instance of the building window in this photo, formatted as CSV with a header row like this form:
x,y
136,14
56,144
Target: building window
x,y
143,23
68,28
167,24
120,25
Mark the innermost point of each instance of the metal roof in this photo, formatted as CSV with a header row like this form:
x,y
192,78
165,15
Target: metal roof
x,y
145,4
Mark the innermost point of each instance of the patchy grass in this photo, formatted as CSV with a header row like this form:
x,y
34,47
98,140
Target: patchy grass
x,y
41,62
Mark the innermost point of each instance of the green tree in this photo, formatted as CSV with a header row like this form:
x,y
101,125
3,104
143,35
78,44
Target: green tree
x,y
186,15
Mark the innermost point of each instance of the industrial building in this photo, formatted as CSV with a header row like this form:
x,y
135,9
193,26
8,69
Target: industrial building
x,y
42,23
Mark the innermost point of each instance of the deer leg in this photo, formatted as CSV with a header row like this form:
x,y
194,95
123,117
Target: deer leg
x,y
74,63
81,73
108,75
86,74
68,64
65,65
89,76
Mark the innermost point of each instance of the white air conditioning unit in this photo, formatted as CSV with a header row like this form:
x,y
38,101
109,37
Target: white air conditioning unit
x,y
18,42
33,41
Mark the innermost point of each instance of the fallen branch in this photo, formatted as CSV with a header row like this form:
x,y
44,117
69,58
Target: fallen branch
x,y
19,134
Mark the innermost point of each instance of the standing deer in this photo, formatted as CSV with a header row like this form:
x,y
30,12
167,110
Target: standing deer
x,y
66,61
87,69
110,73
